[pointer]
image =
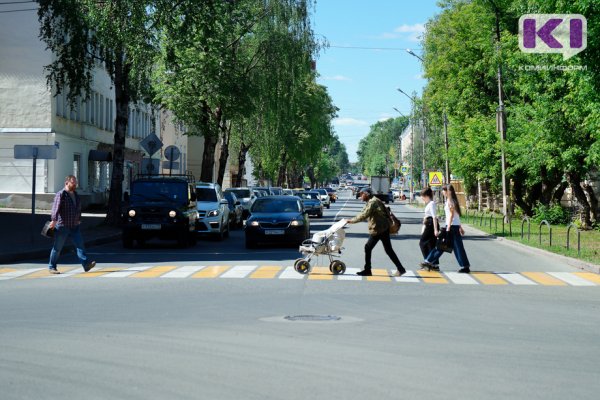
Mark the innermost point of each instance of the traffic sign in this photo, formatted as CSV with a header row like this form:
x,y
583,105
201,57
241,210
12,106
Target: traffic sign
x,y
172,153
150,166
404,169
436,178
151,144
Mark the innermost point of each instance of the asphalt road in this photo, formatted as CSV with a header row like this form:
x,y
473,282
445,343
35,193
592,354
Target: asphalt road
x,y
524,328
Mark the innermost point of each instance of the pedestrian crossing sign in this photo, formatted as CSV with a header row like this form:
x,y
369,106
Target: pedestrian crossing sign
x,y
436,178
404,169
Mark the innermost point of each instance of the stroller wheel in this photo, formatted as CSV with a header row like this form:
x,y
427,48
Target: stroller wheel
x,y
302,266
337,267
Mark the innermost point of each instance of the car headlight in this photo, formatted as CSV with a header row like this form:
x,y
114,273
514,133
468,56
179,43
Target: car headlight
x,y
212,213
297,223
131,213
254,223
172,214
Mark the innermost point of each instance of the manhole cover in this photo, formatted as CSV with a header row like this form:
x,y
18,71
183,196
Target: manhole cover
x,y
312,318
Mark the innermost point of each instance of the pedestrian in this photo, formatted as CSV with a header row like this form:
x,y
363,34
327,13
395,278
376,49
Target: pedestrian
x,y
66,220
379,229
431,228
454,231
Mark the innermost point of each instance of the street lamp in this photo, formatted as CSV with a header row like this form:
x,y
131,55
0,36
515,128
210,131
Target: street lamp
x,y
412,145
424,178
400,140
409,51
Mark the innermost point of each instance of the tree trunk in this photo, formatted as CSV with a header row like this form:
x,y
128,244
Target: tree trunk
x,y
282,169
519,197
311,175
593,200
579,193
122,97
224,156
208,158
241,164
559,192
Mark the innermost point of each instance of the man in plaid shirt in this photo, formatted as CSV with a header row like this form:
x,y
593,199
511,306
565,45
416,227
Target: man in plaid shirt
x,y
66,219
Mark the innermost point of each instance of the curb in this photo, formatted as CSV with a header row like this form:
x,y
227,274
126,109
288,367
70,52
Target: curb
x,y
39,253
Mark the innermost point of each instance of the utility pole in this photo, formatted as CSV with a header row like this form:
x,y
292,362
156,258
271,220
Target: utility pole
x,y
446,145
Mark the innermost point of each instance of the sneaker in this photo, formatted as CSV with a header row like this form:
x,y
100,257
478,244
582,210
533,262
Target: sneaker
x,y
426,265
366,272
434,267
400,272
54,271
91,265
465,270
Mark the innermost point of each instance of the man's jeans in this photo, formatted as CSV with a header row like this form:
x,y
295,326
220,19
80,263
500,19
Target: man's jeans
x,y
61,233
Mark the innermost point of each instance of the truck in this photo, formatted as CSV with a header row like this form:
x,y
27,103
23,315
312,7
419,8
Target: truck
x,y
381,187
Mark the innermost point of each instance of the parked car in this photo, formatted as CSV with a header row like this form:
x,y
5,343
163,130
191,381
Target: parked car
x,y
213,210
277,191
264,190
277,219
244,195
236,210
288,192
324,197
160,207
312,203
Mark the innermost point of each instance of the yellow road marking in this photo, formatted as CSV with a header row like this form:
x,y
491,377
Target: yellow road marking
x,y
432,277
320,274
153,272
266,272
543,279
211,272
589,276
4,270
45,272
489,278
98,272
379,275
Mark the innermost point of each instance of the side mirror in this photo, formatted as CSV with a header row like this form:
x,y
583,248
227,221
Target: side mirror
x,y
126,196
224,201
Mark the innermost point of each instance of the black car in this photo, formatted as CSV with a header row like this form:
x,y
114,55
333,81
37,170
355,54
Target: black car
x,y
161,207
277,219
312,203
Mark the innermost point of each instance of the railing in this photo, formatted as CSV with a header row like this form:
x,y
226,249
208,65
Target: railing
x,y
528,227
544,222
572,225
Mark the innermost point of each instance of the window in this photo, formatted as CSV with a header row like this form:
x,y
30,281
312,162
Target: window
x,y
77,166
101,116
107,122
59,104
111,127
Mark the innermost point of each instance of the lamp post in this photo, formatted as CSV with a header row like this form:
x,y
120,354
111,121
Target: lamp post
x,y
446,145
412,144
409,51
400,140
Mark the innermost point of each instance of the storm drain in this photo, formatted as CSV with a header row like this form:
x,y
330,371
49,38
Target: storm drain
x,y
312,318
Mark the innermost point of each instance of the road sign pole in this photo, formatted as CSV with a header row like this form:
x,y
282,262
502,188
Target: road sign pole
x,y
171,161
35,152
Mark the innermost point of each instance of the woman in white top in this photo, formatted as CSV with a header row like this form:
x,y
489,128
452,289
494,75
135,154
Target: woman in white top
x,y
431,227
454,231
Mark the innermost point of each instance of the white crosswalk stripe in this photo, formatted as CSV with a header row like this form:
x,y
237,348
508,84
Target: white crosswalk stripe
x,y
350,275
74,271
125,273
183,272
290,273
516,279
239,271
408,277
461,279
18,273
571,279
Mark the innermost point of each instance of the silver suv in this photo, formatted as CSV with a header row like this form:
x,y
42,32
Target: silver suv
x,y
213,210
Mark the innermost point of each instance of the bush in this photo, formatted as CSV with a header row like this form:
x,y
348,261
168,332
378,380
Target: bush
x,y
554,214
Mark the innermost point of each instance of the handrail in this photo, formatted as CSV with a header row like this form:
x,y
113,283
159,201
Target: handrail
x,y
544,222
526,218
571,225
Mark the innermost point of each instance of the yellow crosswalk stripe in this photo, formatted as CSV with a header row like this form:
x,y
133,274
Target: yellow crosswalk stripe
x,y
211,272
320,274
489,278
589,276
379,275
98,272
266,272
153,272
432,277
4,270
45,272
543,279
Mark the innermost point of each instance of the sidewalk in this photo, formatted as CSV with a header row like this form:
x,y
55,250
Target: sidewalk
x,y
17,244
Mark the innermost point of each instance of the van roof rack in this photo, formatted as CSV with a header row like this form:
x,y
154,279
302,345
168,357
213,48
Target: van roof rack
x,y
188,176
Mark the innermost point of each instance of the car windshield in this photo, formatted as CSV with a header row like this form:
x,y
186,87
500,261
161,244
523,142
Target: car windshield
x,y
206,194
275,206
322,191
240,192
309,195
159,191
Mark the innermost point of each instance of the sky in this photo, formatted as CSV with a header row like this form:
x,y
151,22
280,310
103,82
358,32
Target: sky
x,y
363,82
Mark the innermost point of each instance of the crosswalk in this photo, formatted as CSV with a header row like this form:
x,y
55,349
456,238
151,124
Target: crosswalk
x,y
257,272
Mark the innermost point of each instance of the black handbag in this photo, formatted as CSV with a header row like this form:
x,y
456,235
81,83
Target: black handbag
x,y
47,231
444,241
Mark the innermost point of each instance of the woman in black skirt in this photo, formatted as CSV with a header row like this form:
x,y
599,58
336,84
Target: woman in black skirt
x,y
431,227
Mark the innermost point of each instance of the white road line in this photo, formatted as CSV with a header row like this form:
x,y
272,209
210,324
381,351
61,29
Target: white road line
x,y
72,272
571,279
350,275
341,209
16,274
408,277
183,272
461,279
290,273
125,273
515,278
239,271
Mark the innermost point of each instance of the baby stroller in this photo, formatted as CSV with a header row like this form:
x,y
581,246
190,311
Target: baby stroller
x,y
329,243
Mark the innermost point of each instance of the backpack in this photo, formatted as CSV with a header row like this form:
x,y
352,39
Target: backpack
x,y
395,223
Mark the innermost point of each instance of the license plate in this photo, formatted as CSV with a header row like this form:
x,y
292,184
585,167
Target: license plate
x,y
275,232
151,226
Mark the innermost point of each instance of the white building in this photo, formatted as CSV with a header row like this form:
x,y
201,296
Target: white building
x,y
31,114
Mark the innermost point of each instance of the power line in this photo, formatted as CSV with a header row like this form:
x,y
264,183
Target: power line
x,y
16,2
369,48
12,11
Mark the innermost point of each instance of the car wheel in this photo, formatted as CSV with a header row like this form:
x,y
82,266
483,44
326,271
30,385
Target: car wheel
x,y
182,239
127,240
226,233
320,215
250,244
192,238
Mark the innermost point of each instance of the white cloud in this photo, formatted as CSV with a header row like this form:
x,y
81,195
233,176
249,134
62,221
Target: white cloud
x,y
418,77
349,122
385,116
336,78
412,33
416,28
